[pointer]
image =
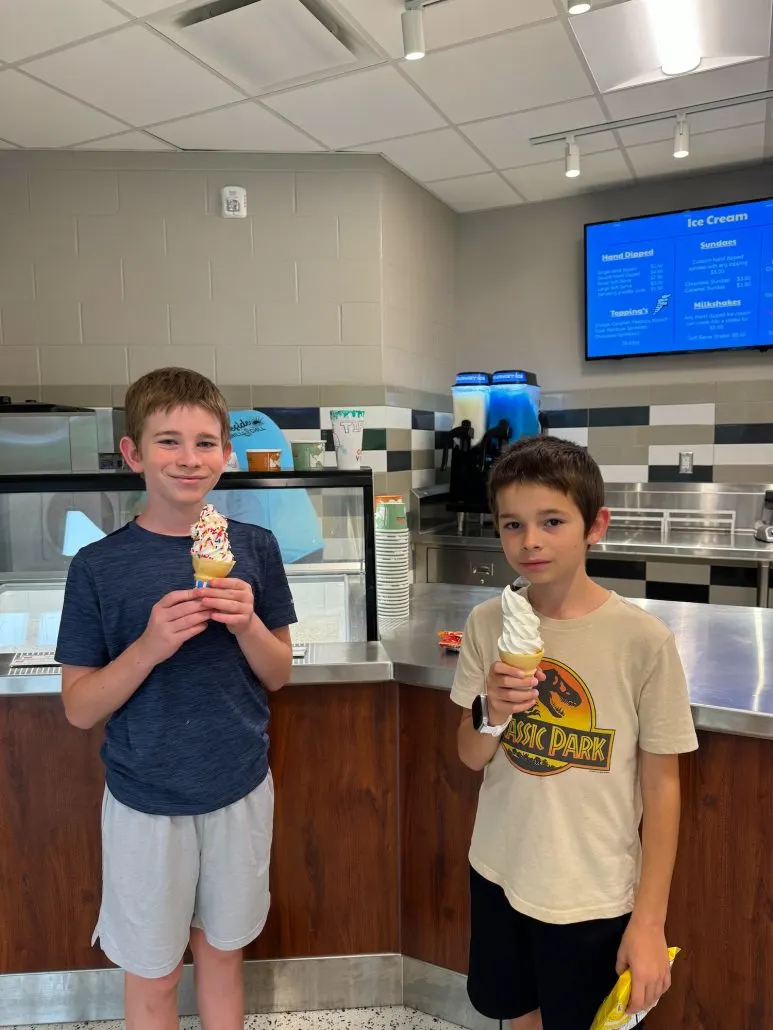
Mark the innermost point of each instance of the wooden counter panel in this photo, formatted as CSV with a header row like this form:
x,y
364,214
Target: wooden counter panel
x,y
721,909
438,797
335,859
51,785
334,876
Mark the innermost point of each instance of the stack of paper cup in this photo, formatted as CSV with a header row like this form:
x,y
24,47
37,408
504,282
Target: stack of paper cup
x,y
393,560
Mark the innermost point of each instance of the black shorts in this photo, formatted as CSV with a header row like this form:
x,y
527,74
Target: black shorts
x,y
518,964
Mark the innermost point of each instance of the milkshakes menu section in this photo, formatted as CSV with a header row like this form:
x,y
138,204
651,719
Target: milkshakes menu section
x,y
696,280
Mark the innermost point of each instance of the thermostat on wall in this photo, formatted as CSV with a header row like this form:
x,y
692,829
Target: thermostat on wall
x,y
233,202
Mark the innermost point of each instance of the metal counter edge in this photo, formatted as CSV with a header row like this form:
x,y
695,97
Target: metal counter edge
x,y
370,663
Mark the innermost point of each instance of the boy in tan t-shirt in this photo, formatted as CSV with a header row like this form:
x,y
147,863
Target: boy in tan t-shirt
x,y
564,894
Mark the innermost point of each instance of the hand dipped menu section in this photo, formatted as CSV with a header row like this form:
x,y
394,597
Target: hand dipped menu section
x,y
691,281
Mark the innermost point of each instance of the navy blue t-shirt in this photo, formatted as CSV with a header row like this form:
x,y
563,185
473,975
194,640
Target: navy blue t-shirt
x,y
192,738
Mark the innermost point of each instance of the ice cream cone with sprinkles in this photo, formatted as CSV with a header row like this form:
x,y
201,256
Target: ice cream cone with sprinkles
x,y
211,551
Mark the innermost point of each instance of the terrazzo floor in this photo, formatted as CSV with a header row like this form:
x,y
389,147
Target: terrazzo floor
x,y
394,1018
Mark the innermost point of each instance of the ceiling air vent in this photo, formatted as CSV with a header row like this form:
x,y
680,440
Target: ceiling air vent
x,y
262,43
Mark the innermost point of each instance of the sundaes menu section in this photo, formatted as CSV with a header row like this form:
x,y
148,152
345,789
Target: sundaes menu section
x,y
697,280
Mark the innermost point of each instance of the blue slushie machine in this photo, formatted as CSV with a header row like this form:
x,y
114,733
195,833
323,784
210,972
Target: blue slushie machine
x,y
491,410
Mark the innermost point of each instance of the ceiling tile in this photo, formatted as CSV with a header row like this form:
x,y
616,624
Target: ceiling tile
x,y
684,90
359,108
505,140
532,67
706,121
32,115
475,192
432,155
126,141
106,72
708,150
457,21
548,181
32,26
240,127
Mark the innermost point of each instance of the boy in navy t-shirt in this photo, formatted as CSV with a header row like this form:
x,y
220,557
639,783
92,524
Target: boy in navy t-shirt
x,y
180,675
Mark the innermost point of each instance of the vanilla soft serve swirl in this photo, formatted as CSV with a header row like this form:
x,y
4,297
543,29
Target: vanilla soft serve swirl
x,y
210,536
520,625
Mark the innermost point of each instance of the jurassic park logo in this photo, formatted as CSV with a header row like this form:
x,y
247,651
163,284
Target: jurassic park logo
x,y
560,731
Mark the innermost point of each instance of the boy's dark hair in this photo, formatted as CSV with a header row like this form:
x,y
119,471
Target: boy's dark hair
x,y
554,463
167,388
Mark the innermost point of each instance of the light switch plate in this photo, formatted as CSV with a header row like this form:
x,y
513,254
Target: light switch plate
x,y
685,463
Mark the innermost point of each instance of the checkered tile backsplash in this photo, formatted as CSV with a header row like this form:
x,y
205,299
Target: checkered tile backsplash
x,y
403,446
636,434
727,427
672,581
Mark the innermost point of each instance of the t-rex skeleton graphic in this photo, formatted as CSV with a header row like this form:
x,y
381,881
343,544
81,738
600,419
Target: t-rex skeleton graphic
x,y
554,692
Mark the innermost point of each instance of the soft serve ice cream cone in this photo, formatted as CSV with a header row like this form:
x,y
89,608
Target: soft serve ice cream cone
x,y
520,644
211,551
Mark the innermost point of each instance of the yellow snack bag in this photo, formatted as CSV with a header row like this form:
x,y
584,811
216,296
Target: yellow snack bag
x,y
612,1015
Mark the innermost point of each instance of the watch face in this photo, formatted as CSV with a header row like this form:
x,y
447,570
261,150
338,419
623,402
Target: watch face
x,y
477,713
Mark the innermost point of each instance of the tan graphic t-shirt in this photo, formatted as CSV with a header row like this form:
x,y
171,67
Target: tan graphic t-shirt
x,y
558,815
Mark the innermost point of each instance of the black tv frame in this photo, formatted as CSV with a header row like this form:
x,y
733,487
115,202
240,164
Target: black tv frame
x,y
761,347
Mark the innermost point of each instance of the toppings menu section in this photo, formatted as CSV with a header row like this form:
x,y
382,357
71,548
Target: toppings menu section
x,y
697,280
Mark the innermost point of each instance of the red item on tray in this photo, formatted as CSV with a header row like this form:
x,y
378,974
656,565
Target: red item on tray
x,y
450,640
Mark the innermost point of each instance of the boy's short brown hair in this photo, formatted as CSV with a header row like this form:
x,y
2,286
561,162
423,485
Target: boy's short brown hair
x,y
167,388
558,464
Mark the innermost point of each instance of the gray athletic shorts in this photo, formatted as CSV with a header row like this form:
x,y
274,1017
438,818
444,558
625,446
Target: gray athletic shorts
x,y
162,875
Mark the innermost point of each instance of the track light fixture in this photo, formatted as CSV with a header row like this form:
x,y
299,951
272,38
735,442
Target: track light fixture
x,y
681,138
681,130
572,158
578,6
413,31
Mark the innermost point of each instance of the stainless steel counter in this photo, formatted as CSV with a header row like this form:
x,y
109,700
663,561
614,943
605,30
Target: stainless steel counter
x,y
738,548
727,654
323,663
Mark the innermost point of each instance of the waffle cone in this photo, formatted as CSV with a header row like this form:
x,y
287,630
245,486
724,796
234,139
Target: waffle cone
x,y
205,569
528,663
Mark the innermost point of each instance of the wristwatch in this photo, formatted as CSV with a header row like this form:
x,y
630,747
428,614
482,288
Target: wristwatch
x,y
480,720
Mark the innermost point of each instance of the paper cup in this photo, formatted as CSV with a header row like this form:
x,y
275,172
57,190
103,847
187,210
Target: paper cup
x,y
348,425
264,461
391,516
308,455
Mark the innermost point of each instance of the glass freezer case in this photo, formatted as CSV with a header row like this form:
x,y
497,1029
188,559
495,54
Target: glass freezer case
x,y
323,521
